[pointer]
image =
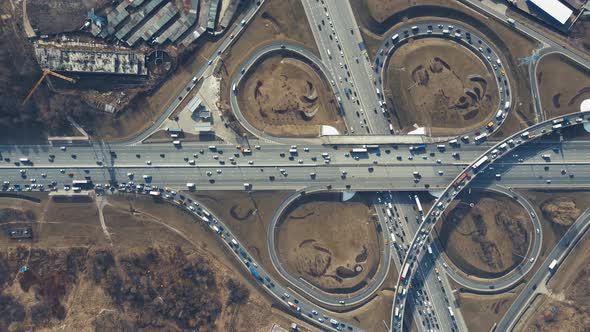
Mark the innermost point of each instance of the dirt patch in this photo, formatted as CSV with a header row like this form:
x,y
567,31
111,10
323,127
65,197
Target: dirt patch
x,y
440,85
287,97
560,210
488,239
51,17
277,20
333,245
558,98
482,311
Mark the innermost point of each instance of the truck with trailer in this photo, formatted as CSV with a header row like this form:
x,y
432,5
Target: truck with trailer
x,y
460,179
552,265
417,199
255,273
482,161
404,274
451,312
243,253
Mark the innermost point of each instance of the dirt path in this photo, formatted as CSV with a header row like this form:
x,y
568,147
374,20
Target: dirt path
x,y
26,23
101,202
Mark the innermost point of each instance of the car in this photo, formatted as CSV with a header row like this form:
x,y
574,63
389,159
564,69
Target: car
x,y
149,162
209,62
218,171
209,173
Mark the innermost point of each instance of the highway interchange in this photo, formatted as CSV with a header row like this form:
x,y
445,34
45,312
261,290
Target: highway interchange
x,y
318,167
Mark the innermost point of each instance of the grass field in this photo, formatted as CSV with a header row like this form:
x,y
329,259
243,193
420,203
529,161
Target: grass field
x,y
80,279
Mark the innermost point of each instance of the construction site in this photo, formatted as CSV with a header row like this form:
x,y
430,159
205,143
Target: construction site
x,y
105,57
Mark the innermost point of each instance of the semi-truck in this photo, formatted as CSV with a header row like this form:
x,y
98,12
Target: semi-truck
x,y
417,199
480,163
255,273
358,150
404,272
552,265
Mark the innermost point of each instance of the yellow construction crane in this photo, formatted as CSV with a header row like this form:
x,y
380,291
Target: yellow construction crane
x,y
45,73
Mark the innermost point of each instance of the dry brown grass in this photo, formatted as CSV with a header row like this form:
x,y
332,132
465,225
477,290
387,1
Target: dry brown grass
x,y
427,80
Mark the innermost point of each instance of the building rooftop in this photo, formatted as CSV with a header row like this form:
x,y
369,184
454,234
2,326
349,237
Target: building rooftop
x,y
85,61
212,15
229,13
554,8
154,24
137,18
177,29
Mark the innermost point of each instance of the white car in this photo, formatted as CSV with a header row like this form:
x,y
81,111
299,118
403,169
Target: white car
x,y
149,162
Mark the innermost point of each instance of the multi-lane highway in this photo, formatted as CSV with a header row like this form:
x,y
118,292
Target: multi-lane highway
x,y
342,50
455,187
130,166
